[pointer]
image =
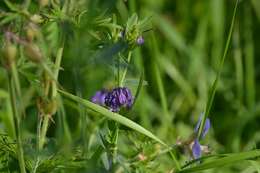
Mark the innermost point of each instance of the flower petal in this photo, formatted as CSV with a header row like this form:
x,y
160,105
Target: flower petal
x,y
99,97
196,130
206,126
196,150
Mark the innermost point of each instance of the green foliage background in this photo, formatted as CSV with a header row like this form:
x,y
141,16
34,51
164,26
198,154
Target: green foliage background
x,y
184,43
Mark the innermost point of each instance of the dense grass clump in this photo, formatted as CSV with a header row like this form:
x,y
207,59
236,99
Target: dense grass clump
x,y
129,86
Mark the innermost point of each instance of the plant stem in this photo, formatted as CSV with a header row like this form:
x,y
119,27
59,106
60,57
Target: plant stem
x,y
16,124
56,71
17,88
43,131
126,68
16,80
46,117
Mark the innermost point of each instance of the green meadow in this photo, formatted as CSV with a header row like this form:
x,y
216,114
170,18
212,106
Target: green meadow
x,y
129,86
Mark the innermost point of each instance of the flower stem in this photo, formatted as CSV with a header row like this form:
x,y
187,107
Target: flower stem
x,y
16,119
46,117
43,131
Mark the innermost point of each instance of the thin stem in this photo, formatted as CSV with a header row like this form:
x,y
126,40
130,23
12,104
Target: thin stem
x,y
38,145
114,141
39,125
46,117
17,125
16,80
17,87
43,131
56,71
126,68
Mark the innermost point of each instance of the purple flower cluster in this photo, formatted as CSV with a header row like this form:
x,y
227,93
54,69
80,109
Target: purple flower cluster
x,y
196,147
114,99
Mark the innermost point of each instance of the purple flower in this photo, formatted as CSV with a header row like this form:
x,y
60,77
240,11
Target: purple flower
x,y
140,40
112,101
99,97
206,126
119,97
195,145
196,150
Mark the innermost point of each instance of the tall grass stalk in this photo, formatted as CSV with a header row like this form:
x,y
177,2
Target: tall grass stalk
x,y
214,85
16,118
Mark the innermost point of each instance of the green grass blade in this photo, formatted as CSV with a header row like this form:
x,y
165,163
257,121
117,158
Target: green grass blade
x,y
223,161
140,85
114,116
238,65
171,34
214,85
174,74
249,59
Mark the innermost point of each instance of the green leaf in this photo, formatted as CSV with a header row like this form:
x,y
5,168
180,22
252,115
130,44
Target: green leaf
x,y
223,161
11,6
114,116
132,21
144,22
8,19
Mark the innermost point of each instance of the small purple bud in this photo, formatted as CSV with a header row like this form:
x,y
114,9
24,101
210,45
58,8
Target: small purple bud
x,y
140,40
99,97
196,150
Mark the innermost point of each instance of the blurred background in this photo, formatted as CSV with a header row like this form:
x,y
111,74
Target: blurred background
x,y
184,44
